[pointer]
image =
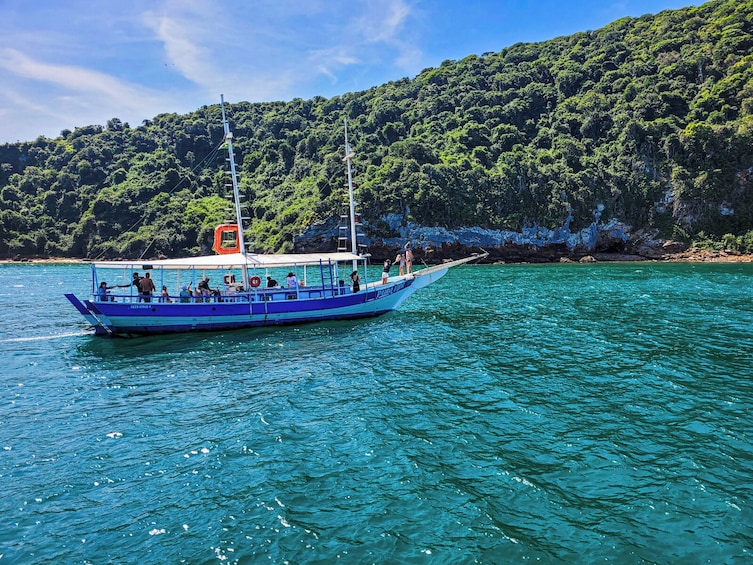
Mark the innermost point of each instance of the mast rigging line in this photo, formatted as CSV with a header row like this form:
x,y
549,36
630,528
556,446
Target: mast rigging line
x,y
211,156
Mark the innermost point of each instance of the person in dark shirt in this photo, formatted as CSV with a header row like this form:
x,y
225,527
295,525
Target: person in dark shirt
x,y
356,281
271,283
206,290
386,271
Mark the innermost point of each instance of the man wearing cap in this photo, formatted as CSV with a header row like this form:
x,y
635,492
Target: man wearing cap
x,y
185,293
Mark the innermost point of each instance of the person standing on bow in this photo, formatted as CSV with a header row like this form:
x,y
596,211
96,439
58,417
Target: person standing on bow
x,y
386,271
400,260
408,258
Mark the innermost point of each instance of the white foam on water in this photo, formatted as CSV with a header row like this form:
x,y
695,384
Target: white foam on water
x,y
43,337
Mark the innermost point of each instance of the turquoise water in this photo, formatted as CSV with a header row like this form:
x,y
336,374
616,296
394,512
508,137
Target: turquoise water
x,y
506,414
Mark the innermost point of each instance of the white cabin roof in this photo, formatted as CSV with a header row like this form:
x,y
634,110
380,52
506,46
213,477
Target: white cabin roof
x,y
235,260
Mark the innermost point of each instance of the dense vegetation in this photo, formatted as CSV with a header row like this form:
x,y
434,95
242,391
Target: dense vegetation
x,y
650,117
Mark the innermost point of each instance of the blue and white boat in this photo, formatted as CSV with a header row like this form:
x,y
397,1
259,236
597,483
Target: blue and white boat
x,y
319,286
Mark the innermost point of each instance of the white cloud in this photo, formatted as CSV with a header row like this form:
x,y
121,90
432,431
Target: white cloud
x,y
382,24
182,33
81,64
69,77
274,49
41,98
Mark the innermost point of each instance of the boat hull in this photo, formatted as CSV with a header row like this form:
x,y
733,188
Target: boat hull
x,y
244,311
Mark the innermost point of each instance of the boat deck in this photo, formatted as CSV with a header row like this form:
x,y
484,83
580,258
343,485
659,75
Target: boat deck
x,y
231,294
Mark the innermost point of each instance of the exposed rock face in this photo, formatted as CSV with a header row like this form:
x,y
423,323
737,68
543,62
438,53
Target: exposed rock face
x,y
610,241
649,246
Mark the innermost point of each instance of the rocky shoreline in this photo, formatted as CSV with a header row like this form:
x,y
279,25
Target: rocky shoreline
x,y
561,254
666,252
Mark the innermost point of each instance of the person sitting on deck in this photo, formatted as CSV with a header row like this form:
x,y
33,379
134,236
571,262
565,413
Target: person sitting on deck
x,y
291,280
185,293
271,283
102,293
205,290
165,295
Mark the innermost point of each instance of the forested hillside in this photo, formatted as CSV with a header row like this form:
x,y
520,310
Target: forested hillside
x,y
649,117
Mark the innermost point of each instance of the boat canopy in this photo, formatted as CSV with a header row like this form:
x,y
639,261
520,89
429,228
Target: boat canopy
x,y
250,260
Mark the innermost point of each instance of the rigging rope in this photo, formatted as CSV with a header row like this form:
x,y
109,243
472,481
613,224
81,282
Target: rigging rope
x,y
209,158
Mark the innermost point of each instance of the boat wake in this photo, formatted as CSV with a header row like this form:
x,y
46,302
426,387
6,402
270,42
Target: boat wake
x,y
43,337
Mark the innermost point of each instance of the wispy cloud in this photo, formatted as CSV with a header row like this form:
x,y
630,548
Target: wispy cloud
x,y
278,47
183,31
42,98
383,23
71,78
156,56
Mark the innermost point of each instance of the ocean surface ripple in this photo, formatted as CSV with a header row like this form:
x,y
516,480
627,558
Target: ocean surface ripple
x,y
511,413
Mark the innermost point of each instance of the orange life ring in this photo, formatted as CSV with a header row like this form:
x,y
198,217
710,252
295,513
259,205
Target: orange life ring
x,y
254,281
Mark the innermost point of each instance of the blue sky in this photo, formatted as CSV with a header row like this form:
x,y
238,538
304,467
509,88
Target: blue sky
x,y
73,63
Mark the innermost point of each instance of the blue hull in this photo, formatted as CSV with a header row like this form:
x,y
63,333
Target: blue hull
x,y
127,316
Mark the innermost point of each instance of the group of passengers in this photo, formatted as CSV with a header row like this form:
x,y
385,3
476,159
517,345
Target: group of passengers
x,y
145,288
203,292
291,281
144,285
404,261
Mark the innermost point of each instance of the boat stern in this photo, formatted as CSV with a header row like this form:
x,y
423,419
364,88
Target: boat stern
x,y
91,314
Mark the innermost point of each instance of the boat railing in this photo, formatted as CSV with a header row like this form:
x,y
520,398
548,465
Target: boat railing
x,y
230,295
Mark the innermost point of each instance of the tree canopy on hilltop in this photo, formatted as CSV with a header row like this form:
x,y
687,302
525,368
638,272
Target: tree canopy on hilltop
x,y
649,117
